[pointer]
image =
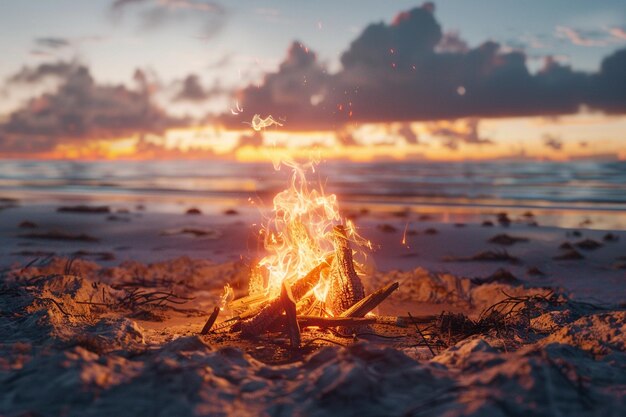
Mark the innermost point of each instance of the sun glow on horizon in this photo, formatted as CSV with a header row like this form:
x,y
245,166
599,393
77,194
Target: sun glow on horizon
x,y
536,138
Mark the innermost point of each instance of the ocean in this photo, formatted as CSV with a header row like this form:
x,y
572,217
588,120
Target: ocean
x,y
592,194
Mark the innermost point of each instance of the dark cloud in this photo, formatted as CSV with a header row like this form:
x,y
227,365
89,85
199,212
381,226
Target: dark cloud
x,y
466,133
451,42
291,93
46,45
607,89
30,75
80,110
52,43
552,142
192,90
409,70
209,16
408,134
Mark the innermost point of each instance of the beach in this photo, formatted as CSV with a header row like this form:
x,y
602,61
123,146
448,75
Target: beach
x,y
82,331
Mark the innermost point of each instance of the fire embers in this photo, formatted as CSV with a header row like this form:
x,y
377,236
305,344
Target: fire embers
x,y
346,287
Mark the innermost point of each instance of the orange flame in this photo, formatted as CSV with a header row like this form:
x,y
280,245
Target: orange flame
x,y
299,235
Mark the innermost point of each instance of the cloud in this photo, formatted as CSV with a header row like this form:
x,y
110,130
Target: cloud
x,y
606,89
552,142
31,75
52,43
51,47
79,110
453,134
581,38
208,16
409,135
451,42
409,70
618,33
192,90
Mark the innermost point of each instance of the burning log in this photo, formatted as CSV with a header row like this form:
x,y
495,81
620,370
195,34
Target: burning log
x,y
346,287
289,305
367,304
210,321
272,310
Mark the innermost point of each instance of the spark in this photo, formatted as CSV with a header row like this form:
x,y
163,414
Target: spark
x,y
406,226
259,123
238,109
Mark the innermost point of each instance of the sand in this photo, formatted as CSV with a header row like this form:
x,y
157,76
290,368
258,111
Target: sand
x,y
119,335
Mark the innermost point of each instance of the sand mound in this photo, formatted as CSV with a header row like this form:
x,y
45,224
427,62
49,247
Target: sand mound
x,y
599,334
70,347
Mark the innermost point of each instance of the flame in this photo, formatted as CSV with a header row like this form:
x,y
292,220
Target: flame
x,y
299,235
227,296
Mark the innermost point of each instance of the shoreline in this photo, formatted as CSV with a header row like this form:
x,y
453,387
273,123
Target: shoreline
x,y
440,242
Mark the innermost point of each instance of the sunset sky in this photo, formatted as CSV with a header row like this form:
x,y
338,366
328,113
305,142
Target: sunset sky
x,y
453,80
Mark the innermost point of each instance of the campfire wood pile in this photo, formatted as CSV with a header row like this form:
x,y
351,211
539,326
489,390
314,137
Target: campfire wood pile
x,y
297,307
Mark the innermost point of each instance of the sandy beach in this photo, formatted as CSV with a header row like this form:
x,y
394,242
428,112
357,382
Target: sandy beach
x,y
439,241
72,340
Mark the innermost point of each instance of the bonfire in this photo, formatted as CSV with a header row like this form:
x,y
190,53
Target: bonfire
x,y
311,276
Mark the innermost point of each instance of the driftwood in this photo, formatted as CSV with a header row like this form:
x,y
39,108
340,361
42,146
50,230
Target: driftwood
x,y
271,310
244,303
346,287
396,321
308,321
367,304
289,305
210,321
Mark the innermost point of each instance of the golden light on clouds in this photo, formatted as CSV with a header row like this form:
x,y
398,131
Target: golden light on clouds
x,y
573,137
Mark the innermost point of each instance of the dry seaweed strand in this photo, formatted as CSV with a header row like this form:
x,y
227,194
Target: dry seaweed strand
x,y
422,335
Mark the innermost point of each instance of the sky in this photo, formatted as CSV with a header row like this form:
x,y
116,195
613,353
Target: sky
x,y
453,80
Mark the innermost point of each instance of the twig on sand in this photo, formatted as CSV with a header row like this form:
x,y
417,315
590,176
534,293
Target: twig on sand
x,y
209,323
